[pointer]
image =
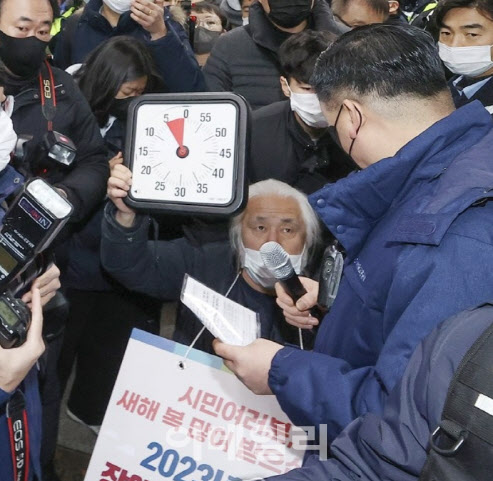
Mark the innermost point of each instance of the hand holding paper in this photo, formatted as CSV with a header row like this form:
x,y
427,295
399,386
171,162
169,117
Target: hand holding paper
x,y
251,364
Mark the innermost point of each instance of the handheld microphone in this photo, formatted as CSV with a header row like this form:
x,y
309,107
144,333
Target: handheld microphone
x,y
277,260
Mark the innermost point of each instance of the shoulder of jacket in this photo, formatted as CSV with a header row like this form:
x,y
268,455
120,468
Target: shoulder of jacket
x,y
274,110
466,226
68,83
235,36
451,340
473,222
62,76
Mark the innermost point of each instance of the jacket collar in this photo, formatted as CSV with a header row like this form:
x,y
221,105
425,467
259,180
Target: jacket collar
x,y
93,17
484,94
265,34
353,206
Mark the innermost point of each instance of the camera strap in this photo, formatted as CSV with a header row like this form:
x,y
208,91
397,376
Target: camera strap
x,y
19,435
48,93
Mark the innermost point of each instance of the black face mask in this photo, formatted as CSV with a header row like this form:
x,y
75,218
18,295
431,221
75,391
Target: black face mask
x,y
22,56
119,108
289,13
204,40
332,129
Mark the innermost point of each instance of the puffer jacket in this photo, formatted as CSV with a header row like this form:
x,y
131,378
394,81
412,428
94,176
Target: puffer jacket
x,y
394,446
245,60
419,241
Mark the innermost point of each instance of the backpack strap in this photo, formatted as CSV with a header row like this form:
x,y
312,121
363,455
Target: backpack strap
x,y
461,447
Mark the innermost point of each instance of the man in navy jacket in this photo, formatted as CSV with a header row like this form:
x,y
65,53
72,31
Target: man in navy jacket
x,y
394,446
414,222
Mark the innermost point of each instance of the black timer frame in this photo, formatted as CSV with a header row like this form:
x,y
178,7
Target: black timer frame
x,y
240,189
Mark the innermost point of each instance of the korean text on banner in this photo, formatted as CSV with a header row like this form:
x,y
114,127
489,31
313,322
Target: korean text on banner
x,y
189,421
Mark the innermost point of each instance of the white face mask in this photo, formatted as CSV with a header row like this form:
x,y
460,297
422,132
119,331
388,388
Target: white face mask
x,y
118,6
468,61
307,106
8,139
251,260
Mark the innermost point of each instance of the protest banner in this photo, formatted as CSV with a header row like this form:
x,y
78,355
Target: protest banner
x,y
189,420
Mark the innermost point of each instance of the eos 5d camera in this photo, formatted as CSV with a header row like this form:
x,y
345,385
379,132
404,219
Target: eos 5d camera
x,y
31,223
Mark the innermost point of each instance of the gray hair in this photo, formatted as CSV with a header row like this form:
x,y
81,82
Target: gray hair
x,y
280,189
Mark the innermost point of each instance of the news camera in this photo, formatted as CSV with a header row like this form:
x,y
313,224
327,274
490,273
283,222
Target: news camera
x,y
31,223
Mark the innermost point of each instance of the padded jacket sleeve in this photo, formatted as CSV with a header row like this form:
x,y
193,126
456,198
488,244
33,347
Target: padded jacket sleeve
x,y
394,446
176,63
155,268
315,388
216,71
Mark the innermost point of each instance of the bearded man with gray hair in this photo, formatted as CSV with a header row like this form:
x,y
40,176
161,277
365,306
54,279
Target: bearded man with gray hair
x,y
275,212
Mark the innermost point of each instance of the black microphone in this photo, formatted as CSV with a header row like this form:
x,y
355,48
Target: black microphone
x,y
277,260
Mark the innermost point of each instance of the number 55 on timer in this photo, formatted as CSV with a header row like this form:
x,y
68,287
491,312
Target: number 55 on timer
x,y
188,153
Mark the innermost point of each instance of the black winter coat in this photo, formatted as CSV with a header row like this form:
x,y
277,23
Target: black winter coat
x,y
282,150
157,269
85,181
245,60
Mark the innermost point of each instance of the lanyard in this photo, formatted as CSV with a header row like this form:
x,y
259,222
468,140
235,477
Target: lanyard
x,y
19,435
48,93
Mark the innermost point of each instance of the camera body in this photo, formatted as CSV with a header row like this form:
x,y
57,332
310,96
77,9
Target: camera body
x,y
31,223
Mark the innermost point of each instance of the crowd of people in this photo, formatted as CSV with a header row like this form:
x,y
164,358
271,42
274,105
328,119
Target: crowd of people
x,y
370,131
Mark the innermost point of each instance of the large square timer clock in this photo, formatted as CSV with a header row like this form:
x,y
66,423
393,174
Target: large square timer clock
x,y
187,153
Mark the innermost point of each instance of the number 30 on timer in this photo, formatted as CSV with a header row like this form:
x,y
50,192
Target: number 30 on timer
x,y
187,153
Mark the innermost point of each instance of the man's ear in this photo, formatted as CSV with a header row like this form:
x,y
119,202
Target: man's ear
x,y
285,87
393,7
356,116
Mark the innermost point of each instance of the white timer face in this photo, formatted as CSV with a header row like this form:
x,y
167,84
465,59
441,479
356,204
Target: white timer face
x,y
185,153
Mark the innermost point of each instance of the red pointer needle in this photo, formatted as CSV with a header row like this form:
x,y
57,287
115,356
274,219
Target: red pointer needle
x,y
177,128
